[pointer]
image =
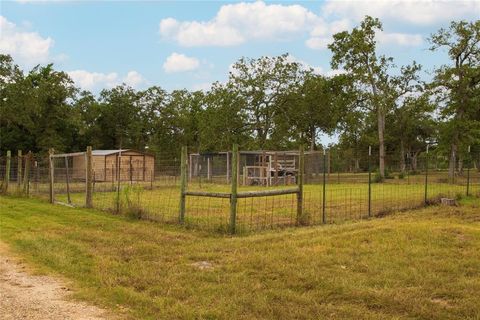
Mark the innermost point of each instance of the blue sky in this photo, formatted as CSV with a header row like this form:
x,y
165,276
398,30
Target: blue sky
x,y
191,44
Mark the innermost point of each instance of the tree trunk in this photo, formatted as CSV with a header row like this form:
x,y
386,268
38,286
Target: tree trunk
x,y
414,161
460,164
451,165
313,133
381,141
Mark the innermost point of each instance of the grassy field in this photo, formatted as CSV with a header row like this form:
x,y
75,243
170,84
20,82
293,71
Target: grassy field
x,y
412,265
344,201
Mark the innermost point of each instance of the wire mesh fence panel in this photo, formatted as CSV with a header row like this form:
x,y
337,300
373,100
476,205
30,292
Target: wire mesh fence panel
x,y
336,188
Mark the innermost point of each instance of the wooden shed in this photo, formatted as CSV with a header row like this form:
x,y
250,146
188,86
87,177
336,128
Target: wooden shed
x,y
114,165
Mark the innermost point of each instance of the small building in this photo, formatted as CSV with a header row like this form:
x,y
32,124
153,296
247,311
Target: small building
x,y
267,168
114,165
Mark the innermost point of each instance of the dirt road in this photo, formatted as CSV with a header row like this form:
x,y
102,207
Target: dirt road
x,y
27,296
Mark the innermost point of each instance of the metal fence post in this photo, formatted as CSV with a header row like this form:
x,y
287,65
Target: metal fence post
x,y
183,184
233,196
89,178
301,170
51,175
324,200
369,181
426,177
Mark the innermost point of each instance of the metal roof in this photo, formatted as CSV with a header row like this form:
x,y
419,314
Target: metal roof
x,y
108,152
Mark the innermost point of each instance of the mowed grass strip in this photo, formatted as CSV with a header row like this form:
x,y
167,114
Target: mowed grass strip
x,y
419,264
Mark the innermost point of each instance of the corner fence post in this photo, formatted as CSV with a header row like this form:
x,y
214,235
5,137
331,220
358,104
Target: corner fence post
x,y
233,196
51,174
26,177
369,181
183,184
19,169
324,191
7,171
89,178
301,169
468,171
426,178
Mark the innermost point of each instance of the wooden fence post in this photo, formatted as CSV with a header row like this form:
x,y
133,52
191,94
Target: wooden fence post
x,y
324,186
233,196
89,178
301,169
19,169
7,171
183,184
51,174
67,176
26,177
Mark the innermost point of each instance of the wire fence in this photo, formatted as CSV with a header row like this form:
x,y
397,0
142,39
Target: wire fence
x,y
274,190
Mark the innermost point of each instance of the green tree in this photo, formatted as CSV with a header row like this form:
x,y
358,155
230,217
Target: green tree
x,y
356,53
456,85
264,85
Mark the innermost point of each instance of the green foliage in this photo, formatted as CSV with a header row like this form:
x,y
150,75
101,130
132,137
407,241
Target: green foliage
x,y
130,201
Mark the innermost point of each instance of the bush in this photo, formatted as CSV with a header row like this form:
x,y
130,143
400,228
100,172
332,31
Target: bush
x,y
130,203
377,178
401,175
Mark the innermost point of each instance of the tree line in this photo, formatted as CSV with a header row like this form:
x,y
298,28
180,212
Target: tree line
x,y
266,103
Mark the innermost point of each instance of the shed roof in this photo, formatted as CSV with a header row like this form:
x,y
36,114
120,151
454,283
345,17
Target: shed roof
x,y
110,152
107,152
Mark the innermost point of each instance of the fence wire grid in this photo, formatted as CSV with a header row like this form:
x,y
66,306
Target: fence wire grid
x,y
335,189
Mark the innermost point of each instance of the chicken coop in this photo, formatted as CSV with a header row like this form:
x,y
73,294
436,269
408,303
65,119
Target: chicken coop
x,y
265,168
115,165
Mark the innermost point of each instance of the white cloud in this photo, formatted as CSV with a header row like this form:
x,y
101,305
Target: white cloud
x,y
402,39
134,79
234,24
421,12
27,48
178,62
322,34
95,80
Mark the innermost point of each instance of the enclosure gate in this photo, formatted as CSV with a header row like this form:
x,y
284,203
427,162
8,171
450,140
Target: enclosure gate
x,y
234,194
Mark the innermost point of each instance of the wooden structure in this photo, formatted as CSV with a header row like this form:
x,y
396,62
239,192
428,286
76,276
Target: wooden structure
x,y
115,165
265,168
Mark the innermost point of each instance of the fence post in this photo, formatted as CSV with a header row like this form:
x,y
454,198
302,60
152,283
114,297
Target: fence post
x,y
469,163
152,174
426,177
183,184
301,169
234,184
7,171
89,178
369,181
324,200
51,174
67,176
119,177
19,169
26,177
